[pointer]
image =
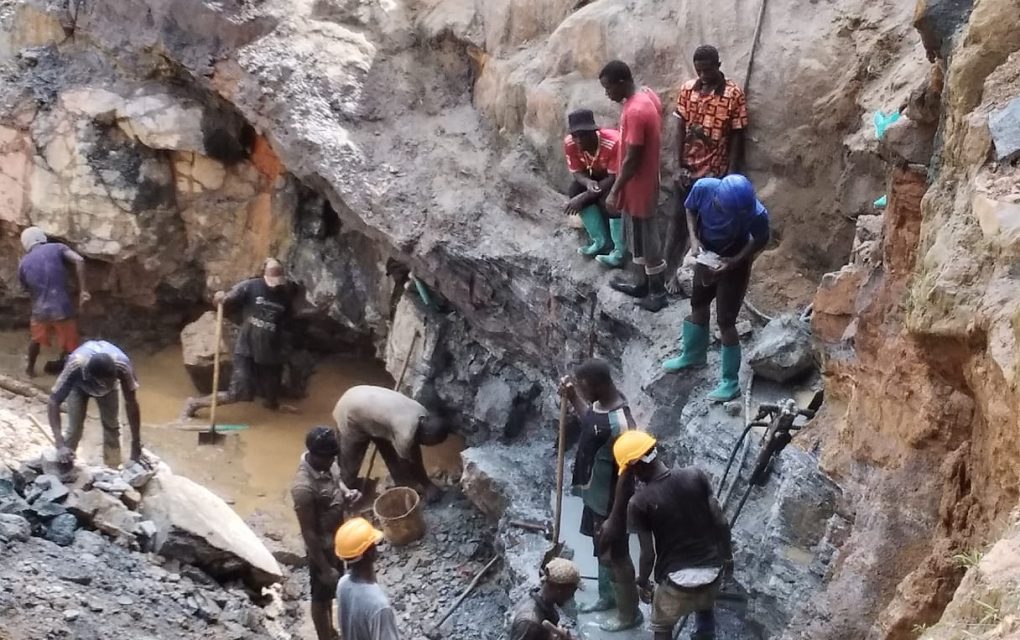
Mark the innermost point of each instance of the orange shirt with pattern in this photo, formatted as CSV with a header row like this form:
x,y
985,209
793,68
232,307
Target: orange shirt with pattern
x,y
710,118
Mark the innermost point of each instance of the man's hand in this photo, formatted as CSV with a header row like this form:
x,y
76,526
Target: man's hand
x,y
645,590
606,533
352,496
727,570
65,455
611,199
725,264
83,298
575,204
683,179
219,297
567,389
593,187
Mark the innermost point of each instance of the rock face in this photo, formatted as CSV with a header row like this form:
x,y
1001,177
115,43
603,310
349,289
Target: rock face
x,y
196,527
198,350
783,350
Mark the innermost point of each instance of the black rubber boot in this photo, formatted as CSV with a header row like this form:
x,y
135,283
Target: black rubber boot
x,y
655,300
634,283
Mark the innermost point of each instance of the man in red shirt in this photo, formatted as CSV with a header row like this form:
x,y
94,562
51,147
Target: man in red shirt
x,y
591,152
635,193
711,114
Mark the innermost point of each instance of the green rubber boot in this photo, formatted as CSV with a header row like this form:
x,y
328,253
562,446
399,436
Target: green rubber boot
x,y
729,386
607,597
628,615
615,258
591,218
693,350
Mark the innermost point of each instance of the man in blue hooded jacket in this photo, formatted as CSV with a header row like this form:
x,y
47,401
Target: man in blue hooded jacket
x,y
724,217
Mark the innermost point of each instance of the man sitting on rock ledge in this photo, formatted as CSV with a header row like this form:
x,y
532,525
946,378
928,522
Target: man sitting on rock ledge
x,y
95,370
560,579
590,151
319,500
397,425
265,303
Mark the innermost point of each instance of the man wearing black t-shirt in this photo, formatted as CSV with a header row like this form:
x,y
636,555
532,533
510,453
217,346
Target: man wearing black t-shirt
x,y
265,306
683,534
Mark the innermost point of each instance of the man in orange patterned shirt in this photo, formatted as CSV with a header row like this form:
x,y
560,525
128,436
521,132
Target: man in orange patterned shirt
x,y
711,114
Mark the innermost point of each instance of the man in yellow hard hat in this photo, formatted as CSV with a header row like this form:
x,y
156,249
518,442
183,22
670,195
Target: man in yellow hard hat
x,y
683,533
363,608
560,579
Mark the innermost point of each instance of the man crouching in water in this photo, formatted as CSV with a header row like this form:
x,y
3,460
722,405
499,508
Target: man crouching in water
x,y
266,306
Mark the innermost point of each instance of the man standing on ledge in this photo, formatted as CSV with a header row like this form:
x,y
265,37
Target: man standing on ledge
x,y
266,305
95,370
683,533
319,501
397,425
635,194
43,273
711,114
726,218
591,153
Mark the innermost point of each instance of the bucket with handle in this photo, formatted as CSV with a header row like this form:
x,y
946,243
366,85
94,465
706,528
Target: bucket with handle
x,y
399,513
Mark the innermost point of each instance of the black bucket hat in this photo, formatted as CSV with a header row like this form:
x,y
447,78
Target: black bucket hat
x,y
581,120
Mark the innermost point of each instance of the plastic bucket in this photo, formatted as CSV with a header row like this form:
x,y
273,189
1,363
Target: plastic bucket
x,y
398,511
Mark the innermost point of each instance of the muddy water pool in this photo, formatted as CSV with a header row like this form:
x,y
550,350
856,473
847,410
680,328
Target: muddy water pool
x,y
253,468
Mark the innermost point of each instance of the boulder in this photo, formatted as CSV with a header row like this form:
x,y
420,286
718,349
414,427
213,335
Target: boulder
x,y
908,141
783,351
45,510
61,530
46,488
138,475
198,528
198,344
106,513
14,527
1004,126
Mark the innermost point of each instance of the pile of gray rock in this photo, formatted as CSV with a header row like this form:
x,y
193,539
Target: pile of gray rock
x,y
39,498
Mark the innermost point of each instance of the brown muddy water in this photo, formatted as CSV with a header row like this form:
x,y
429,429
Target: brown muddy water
x,y
253,469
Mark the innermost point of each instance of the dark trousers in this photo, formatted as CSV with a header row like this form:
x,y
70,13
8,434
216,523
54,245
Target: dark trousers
x,y
727,289
405,473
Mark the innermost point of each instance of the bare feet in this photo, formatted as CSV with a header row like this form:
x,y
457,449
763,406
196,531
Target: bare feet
x,y
672,285
191,407
288,408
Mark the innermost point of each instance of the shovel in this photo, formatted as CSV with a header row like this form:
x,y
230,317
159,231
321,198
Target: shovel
x,y
211,436
557,547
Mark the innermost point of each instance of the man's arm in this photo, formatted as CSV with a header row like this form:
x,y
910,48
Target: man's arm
x,y
523,629
735,150
681,141
722,527
304,508
646,561
79,268
629,168
134,418
692,232
606,184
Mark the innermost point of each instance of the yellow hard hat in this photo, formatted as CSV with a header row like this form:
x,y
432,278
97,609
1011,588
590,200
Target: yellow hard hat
x,y
631,446
354,538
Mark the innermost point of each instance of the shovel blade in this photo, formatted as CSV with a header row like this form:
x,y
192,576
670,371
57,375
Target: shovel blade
x,y
210,437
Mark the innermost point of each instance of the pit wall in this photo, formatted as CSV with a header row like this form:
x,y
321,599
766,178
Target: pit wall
x,y
920,334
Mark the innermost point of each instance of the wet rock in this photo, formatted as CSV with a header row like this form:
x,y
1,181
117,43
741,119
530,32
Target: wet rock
x,y
109,481
198,528
14,527
61,530
198,349
1004,125
137,475
783,351
46,510
106,513
15,504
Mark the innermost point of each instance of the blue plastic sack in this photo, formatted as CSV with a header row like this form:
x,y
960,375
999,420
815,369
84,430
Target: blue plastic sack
x,y
882,122
881,202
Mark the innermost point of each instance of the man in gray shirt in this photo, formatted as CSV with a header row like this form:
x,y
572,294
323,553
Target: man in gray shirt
x,y
363,609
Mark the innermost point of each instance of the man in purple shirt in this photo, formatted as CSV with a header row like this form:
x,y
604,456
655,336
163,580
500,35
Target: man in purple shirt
x,y
43,273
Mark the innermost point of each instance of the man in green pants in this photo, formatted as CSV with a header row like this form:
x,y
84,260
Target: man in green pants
x,y
590,151
728,227
595,475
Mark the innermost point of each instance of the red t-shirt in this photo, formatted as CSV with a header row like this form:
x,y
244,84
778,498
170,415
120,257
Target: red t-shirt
x,y
602,162
641,124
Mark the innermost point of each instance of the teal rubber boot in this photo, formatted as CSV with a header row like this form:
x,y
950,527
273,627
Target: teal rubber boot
x,y
729,387
628,615
694,349
615,258
591,217
607,596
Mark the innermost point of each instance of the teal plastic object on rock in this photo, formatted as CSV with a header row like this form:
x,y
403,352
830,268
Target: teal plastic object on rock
x,y
882,122
881,202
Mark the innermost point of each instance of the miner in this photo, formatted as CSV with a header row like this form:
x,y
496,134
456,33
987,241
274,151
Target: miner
x,y
590,151
684,536
363,608
398,427
43,273
635,193
319,500
711,115
265,304
595,476
560,579
95,370
728,228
